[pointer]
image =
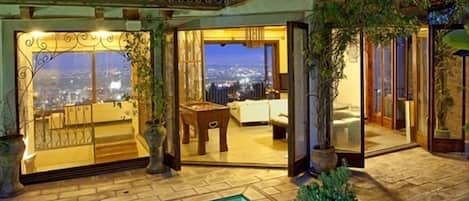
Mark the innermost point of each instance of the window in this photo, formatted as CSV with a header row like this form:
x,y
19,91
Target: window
x,y
75,78
236,72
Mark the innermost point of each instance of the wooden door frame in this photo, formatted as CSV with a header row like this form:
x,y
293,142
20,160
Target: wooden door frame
x,y
373,117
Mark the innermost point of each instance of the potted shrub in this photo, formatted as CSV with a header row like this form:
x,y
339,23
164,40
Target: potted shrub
x,y
149,91
334,187
12,149
335,25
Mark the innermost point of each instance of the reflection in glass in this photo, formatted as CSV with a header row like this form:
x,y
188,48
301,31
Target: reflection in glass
x,y
113,75
422,91
448,91
377,81
387,82
346,126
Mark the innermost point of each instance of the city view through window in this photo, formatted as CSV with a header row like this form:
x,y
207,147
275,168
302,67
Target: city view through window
x,y
236,72
68,79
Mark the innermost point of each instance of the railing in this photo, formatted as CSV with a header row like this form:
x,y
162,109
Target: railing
x,y
52,131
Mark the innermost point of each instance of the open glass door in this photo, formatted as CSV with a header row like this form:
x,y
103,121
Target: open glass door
x,y
170,71
298,129
348,109
447,95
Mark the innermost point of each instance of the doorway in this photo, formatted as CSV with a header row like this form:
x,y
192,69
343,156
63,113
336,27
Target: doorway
x,y
238,71
389,94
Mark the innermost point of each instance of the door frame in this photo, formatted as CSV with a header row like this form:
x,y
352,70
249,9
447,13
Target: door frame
x,y
173,161
8,75
296,167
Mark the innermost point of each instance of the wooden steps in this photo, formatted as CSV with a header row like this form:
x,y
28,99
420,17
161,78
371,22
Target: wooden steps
x,y
116,150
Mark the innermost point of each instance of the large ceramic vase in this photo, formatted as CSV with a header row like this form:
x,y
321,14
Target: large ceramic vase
x,y
155,136
323,160
11,152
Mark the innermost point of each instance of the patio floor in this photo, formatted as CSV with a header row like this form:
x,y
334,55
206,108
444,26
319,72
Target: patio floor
x,y
407,175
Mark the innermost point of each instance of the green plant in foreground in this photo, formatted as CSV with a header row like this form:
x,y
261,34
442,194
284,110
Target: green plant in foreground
x,y
335,187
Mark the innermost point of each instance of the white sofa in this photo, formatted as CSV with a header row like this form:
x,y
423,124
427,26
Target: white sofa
x,y
250,111
258,110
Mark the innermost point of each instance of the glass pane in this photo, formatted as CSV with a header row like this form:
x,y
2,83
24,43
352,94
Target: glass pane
x,y
401,66
113,76
171,118
300,36
377,79
387,82
65,80
422,91
467,98
448,92
235,72
346,127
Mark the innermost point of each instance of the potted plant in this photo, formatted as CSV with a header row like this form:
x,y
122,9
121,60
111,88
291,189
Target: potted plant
x,y
335,25
334,187
12,149
149,91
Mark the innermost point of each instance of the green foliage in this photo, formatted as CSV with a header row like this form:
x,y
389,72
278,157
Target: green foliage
x,y
334,26
335,187
466,127
149,86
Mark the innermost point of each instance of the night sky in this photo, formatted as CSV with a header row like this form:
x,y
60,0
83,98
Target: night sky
x,y
230,54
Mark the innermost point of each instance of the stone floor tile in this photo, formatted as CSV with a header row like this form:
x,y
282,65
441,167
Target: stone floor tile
x,y
77,193
232,192
204,197
122,198
97,196
253,194
285,196
178,195
114,187
270,190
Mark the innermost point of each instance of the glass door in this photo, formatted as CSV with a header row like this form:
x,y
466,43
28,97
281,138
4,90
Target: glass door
x,y
448,98
298,129
420,69
172,156
382,76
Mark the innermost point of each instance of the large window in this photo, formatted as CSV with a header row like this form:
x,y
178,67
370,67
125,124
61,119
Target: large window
x,y
236,72
81,78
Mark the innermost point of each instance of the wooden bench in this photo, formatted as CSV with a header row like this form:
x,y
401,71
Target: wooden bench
x,y
279,127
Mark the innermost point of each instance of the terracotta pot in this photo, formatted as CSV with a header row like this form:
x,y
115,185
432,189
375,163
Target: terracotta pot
x,y
11,152
155,135
323,160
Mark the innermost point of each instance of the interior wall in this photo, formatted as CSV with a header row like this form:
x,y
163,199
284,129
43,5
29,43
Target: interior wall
x,y
348,89
277,33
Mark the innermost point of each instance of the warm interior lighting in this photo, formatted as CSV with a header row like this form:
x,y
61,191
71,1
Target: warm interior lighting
x,y
101,34
37,34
